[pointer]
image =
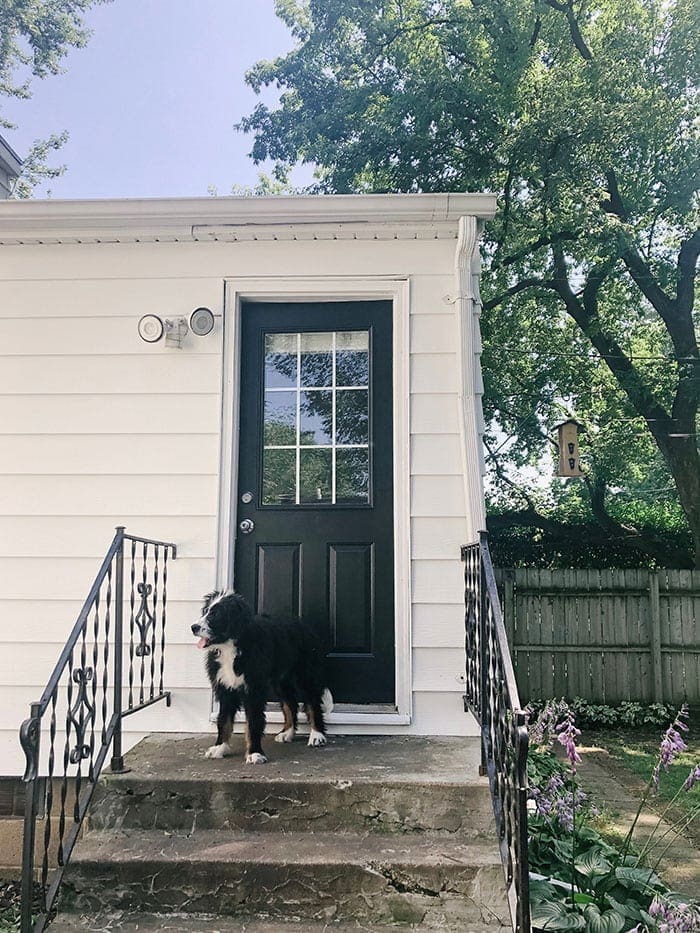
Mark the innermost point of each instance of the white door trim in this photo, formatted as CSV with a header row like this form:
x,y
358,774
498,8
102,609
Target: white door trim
x,y
327,288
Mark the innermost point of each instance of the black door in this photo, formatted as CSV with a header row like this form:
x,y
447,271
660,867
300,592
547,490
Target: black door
x,y
315,490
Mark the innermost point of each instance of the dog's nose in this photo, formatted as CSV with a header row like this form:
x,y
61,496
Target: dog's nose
x,y
196,628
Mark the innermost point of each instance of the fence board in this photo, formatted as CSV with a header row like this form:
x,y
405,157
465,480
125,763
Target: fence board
x,y
598,634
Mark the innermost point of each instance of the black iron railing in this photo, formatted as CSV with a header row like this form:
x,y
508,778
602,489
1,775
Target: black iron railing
x,y
79,716
492,696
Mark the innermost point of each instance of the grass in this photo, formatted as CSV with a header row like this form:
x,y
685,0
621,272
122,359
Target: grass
x,y
634,754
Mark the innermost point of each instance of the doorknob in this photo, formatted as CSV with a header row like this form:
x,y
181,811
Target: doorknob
x,y
247,525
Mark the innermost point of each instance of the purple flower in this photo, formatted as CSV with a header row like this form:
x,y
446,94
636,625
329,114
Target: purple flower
x,y
543,729
692,778
567,733
671,745
674,917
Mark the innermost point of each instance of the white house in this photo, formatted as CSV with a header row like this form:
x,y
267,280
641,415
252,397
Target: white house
x,y
319,449
10,167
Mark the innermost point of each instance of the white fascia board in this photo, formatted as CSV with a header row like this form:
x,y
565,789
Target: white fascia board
x,y
189,218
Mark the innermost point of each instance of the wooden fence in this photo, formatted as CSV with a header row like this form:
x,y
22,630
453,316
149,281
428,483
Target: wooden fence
x,y
604,635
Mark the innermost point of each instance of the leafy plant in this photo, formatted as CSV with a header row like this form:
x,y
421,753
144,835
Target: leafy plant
x,y
580,881
599,715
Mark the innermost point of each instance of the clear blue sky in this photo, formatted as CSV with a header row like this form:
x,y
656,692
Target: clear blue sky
x,y
151,101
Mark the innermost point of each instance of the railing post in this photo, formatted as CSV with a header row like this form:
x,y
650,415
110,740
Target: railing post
x,y
484,708
31,739
117,762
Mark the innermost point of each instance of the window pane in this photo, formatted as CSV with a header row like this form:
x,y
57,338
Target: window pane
x,y
351,417
316,409
280,360
352,358
316,359
279,477
352,475
315,477
280,418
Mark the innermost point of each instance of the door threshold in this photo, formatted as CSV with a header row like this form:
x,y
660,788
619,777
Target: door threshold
x,y
347,714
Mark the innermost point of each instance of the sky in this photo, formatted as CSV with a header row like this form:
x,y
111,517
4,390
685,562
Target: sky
x,y
150,103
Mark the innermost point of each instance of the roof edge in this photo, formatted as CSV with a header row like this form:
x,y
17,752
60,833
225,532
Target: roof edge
x,y
179,216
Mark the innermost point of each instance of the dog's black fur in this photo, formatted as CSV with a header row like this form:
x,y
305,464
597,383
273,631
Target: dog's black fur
x,y
249,656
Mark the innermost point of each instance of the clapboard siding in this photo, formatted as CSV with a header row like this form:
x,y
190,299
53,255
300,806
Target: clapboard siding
x,y
126,297
435,455
96,454
174,261
100,429
112,413
50,621
130,373
437,496
437,581
437,538
88,336
434,414
433,333
438,625
56,578
37,536
105,495
438,669
434,373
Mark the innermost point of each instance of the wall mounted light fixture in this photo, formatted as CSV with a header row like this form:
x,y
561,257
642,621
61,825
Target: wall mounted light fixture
x,y
152,328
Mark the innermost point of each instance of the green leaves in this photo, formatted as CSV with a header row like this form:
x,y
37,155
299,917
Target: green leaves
x,y
555,915
585,120
638,879
606,921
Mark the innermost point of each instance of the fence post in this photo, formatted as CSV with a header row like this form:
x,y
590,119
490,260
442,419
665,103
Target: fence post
x,y
509,610
655,632
117,762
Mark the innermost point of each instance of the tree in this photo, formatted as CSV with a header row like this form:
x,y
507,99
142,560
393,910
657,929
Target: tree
x,y
583,116
35,37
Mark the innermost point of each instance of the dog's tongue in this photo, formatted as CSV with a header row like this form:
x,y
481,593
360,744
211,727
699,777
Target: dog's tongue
x,y
202,643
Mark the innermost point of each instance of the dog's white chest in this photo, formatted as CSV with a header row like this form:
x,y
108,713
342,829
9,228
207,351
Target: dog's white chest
x,y
225,675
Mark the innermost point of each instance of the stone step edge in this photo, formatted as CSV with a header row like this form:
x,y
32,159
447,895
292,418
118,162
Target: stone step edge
x,y
215,846
137,922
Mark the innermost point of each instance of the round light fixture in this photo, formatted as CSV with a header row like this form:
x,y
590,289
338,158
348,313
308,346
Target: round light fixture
x,y
201,322
151,328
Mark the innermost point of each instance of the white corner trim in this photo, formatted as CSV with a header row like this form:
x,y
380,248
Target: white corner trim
x,y
469,362
328,288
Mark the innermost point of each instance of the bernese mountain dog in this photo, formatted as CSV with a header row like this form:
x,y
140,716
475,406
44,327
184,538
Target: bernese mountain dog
x,y
247,657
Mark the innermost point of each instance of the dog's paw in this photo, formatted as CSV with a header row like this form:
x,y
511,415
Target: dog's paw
x,y
287,735
255,759
316,738
218,751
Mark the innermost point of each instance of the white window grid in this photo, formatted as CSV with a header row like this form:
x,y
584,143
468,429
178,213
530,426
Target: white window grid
x,y
334,388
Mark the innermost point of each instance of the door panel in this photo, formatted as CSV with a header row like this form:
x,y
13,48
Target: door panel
x,y
315,489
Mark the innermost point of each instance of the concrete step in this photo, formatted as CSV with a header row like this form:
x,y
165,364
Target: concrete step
x,y
376,784
321,877
129,922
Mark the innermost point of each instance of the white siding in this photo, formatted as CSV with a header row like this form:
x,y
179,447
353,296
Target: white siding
x,y
99,429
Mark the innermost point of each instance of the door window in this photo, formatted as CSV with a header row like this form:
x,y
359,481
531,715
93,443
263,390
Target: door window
x,y
316,419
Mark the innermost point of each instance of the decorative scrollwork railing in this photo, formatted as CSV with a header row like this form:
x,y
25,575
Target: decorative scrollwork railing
x,y
81,710
492,696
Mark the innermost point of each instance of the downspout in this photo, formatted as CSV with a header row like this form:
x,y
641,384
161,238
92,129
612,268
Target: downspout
x,y
471,387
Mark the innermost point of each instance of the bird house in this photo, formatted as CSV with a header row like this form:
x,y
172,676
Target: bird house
x,y
569,460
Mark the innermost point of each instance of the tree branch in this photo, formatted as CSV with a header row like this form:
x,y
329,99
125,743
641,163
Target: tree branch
x,y
576,37
687,268
514,290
